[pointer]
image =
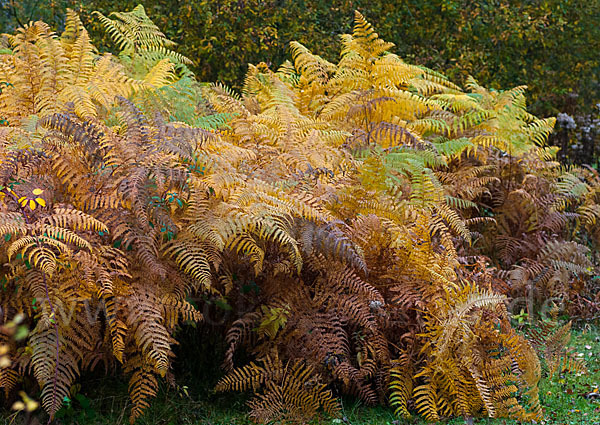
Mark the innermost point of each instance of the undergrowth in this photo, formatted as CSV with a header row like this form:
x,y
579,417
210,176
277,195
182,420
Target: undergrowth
x,y
568,399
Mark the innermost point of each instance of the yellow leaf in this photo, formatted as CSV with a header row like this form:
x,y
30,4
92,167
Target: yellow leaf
x,y
31,405
37,191
18,406
32,204
4,361
40,201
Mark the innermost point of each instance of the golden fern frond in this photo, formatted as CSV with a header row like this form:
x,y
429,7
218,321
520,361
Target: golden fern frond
x,y
251,376
426,402
551,341
43,359
73,28
8,379
81,59
161,74
135,34
146,322
58,388
454,221
367,41
314,68
192,259
401,389
143,386
296,399
75,219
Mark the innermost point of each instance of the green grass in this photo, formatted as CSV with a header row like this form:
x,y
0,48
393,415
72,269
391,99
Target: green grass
x,y
103,401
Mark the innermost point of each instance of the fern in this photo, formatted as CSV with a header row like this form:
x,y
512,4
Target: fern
x,y
380,215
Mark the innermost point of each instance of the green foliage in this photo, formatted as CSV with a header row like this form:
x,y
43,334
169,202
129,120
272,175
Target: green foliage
x,y
17,13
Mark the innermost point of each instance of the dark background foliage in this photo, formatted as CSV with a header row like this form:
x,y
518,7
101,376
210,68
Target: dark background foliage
x,y
550,45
